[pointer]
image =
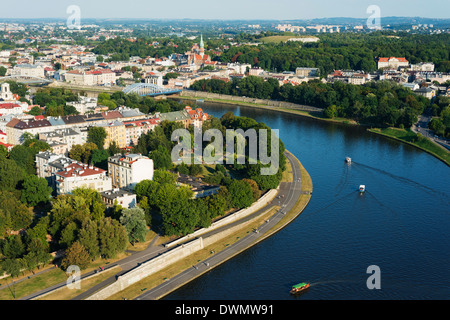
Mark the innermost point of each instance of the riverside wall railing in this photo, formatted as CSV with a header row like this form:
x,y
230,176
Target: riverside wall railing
x,y
271,103
191,244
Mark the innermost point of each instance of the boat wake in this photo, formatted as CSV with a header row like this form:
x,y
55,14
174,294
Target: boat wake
x,y
328,205
403,179
343,181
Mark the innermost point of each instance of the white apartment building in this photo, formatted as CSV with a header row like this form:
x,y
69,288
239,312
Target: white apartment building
x,y
239,68
79,175
423,66
155,79
126,171
101,77
28,70
392,63
84,104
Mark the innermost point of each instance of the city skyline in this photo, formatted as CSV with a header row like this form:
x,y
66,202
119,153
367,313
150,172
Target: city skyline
x,y
234,10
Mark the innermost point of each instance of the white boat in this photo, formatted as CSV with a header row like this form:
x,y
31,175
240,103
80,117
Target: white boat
x,y
348,159
362,188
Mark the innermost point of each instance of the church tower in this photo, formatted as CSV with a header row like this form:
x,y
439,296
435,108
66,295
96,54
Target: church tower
x,y
202,47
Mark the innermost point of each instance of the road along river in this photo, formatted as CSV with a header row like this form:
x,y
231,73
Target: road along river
x,y
400,224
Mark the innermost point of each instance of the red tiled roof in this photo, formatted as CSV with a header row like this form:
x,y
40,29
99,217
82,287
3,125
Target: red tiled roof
x,y
9,105
79,170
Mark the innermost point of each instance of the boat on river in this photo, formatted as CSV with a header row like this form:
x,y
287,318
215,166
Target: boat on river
x,y
348,159
362,188
299,287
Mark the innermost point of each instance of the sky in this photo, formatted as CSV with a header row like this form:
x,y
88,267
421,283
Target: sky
x,y
223,10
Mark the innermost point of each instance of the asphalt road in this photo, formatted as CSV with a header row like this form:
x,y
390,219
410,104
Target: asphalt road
x,y
422,127
291,193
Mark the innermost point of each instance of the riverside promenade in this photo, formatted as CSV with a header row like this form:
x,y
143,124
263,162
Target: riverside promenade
x,y
292,199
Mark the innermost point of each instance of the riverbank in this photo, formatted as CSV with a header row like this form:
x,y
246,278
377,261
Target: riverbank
x,y
401,135
243,236
416,140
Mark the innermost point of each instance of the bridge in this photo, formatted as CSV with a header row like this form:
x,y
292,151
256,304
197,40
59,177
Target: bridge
x,y
148,89
26,80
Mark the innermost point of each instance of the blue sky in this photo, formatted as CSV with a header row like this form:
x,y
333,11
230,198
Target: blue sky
x,y
224,10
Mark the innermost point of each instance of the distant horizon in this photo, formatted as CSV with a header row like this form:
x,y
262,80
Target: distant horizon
x,y
233,10
214,19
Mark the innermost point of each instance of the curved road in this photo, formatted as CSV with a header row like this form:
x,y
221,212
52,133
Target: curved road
x,y
287,196
291,192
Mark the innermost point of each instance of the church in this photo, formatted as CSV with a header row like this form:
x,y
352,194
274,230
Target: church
x,y
197,55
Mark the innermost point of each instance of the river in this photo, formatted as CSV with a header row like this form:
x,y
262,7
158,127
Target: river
x,y
401,224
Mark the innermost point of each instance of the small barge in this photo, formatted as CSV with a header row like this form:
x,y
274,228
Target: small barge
x,y
299,287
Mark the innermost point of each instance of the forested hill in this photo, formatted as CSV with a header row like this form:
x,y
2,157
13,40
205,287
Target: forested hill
x,y
341,51
381,103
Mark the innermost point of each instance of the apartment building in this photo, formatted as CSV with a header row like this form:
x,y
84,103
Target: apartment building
x,y
392,63
16,128
134,129
102,77
49,163
122,197
79,175
63,137
28,70
116,132
128,170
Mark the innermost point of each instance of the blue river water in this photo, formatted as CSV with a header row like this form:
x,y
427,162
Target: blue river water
x,y
401,224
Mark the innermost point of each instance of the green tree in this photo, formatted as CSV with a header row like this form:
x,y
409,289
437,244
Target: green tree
x,y
76,255
241,194
98,136
35,191
135,224
161,158
88,237
113,237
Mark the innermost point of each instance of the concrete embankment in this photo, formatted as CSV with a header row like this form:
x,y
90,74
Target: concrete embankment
x,y
250,101
204,238
189,245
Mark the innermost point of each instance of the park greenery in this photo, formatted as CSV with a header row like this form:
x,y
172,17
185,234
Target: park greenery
x,y
440,109
35,222
342,51
381,103
171,207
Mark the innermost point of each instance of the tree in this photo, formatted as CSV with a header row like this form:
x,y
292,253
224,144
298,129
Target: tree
x,y
88,237
36,111
94,201
11,174
76,255
135,224
13,247
255,189
331,111
99,158
82,153
68,235
112,237
23,156
241,194
35,191
161,158
97,135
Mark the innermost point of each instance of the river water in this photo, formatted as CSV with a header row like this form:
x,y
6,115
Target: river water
x,y
401,224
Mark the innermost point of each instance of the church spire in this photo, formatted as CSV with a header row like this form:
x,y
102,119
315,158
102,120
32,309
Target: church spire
x,y
202,46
